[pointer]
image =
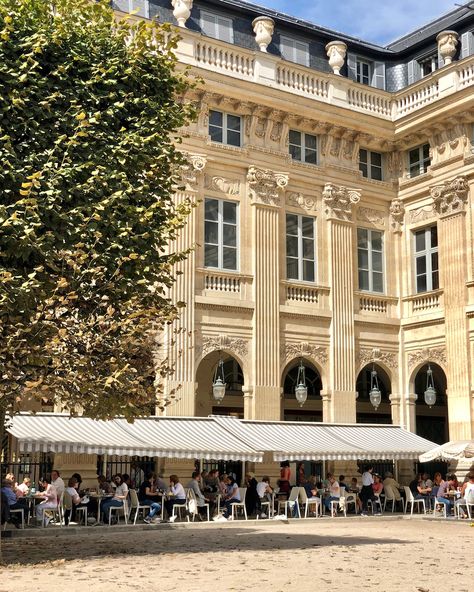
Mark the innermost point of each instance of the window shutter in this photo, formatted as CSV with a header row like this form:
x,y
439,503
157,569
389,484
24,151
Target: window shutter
x,y
224,29
378,77
302,53
352,66
414,71
287,48
467,44
208,24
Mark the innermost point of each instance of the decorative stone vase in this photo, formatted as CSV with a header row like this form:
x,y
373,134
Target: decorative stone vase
x,y
182,10
447,42
336,51
263,27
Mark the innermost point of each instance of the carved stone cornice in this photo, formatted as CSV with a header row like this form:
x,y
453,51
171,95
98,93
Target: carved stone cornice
x,y
450,199
293,198
222,184
397,215
338,201
368,356
266,186
425,355
305,350
189,173
371,215
225,343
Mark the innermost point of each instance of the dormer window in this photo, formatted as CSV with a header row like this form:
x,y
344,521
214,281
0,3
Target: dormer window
x,y
216,26
294,51
366,71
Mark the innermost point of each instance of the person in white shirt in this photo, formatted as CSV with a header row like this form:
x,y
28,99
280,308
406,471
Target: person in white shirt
x,y
57,482
118,501
23,488
50,499
264,491
334,491
467,495
367,493
177,497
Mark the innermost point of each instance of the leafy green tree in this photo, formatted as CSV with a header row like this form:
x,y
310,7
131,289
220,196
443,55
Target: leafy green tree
x,y
89,113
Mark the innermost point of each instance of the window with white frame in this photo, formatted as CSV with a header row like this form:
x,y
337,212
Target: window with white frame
x,y
225,128
370,164
428,64
303,147
217,26
419,160
370,259
426,259
220,233
294,51
300,248
139,7
366,71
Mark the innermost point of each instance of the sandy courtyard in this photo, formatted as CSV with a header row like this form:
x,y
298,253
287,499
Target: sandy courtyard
x,y
310,555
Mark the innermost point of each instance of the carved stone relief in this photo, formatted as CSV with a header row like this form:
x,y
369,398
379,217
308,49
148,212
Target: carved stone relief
x,y
397,214
306,202
265,185
425,355
298,350
189,173
421,214
367,356
371,215
224,342
451,197
218,183
338,201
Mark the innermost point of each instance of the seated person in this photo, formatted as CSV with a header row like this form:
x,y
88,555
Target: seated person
x,y
427,481
312,492
342,483
446,486
13,502
201,500
437,480
23,488
391,488
104,485
176,497
334,492
377,485
161,483
264,492
148,496
50,499
119,499
71,489
354,488
467,494
231,496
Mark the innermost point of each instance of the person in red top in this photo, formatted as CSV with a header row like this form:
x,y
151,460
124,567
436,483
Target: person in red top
x,y
377,485
285,476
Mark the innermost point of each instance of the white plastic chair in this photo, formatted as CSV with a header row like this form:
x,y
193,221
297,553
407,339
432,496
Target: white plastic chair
x,y
269,504
55,513
121,511
350,499
290,502
235,507
339,504
439,507
22,516
463,503
307,502
193,507
136,505
377,501
409,499
389,499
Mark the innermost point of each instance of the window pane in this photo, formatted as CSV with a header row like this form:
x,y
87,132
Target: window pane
x,y
233,138
229,212
362,240
420,243
292,269
426,151
233,122
307,225
308,271
363,169
311,157
363,280
363,155
211,232
215,118
435,281
363,259
421,283
434,262
376,159
376,241
414,156
230,258
211,256
292,246
375,173
310,141
308,248
291,224
295,137
230,235
211,208
295,152
434,236
377,261
377,279
420,265
216,134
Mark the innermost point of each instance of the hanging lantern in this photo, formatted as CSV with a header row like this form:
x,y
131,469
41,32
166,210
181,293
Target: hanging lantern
x,y
218,384
301,390
374,393
430,392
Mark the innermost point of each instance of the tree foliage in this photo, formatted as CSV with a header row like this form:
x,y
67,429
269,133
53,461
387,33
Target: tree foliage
x,y
89,111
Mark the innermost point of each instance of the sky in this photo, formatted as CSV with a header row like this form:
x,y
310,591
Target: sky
x,y
378,21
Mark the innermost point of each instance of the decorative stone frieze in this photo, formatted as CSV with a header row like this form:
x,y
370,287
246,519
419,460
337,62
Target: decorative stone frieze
x,y
305,349
226,343
306,202
425,355
451,197
182,10
421,214
336,52
189,173
447,42
397,215
265,185
218,183
368,356
338,201
263,27
371,215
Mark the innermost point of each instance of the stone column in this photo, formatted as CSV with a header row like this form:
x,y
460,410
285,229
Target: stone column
x,y
338,202
410,412
450,203
265,189
179,339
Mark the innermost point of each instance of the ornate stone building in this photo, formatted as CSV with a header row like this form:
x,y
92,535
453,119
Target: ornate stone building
x,y
334,228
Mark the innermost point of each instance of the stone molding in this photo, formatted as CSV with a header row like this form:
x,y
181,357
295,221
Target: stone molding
x,y
371,215
451,197
421,214
222,184
226,343
293,198
305,349
425,355
367,356
189,173
338,201
397,215
266,186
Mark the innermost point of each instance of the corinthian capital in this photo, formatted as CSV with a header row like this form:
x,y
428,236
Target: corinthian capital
x,y
451,197
190,172
265,186
338,201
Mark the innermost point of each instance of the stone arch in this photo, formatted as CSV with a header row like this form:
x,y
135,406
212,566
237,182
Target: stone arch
x,y
312,409
365,411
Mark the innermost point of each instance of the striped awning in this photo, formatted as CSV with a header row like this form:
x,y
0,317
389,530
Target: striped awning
x,y
295,441
454,450
163,437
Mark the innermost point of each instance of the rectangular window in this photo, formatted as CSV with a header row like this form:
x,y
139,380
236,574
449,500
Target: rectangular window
x,y
303,147
294,51
216,26
370,259
225,128
419,160
426,259
428,65
139,7
364,71
220,234
300,248
370,164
